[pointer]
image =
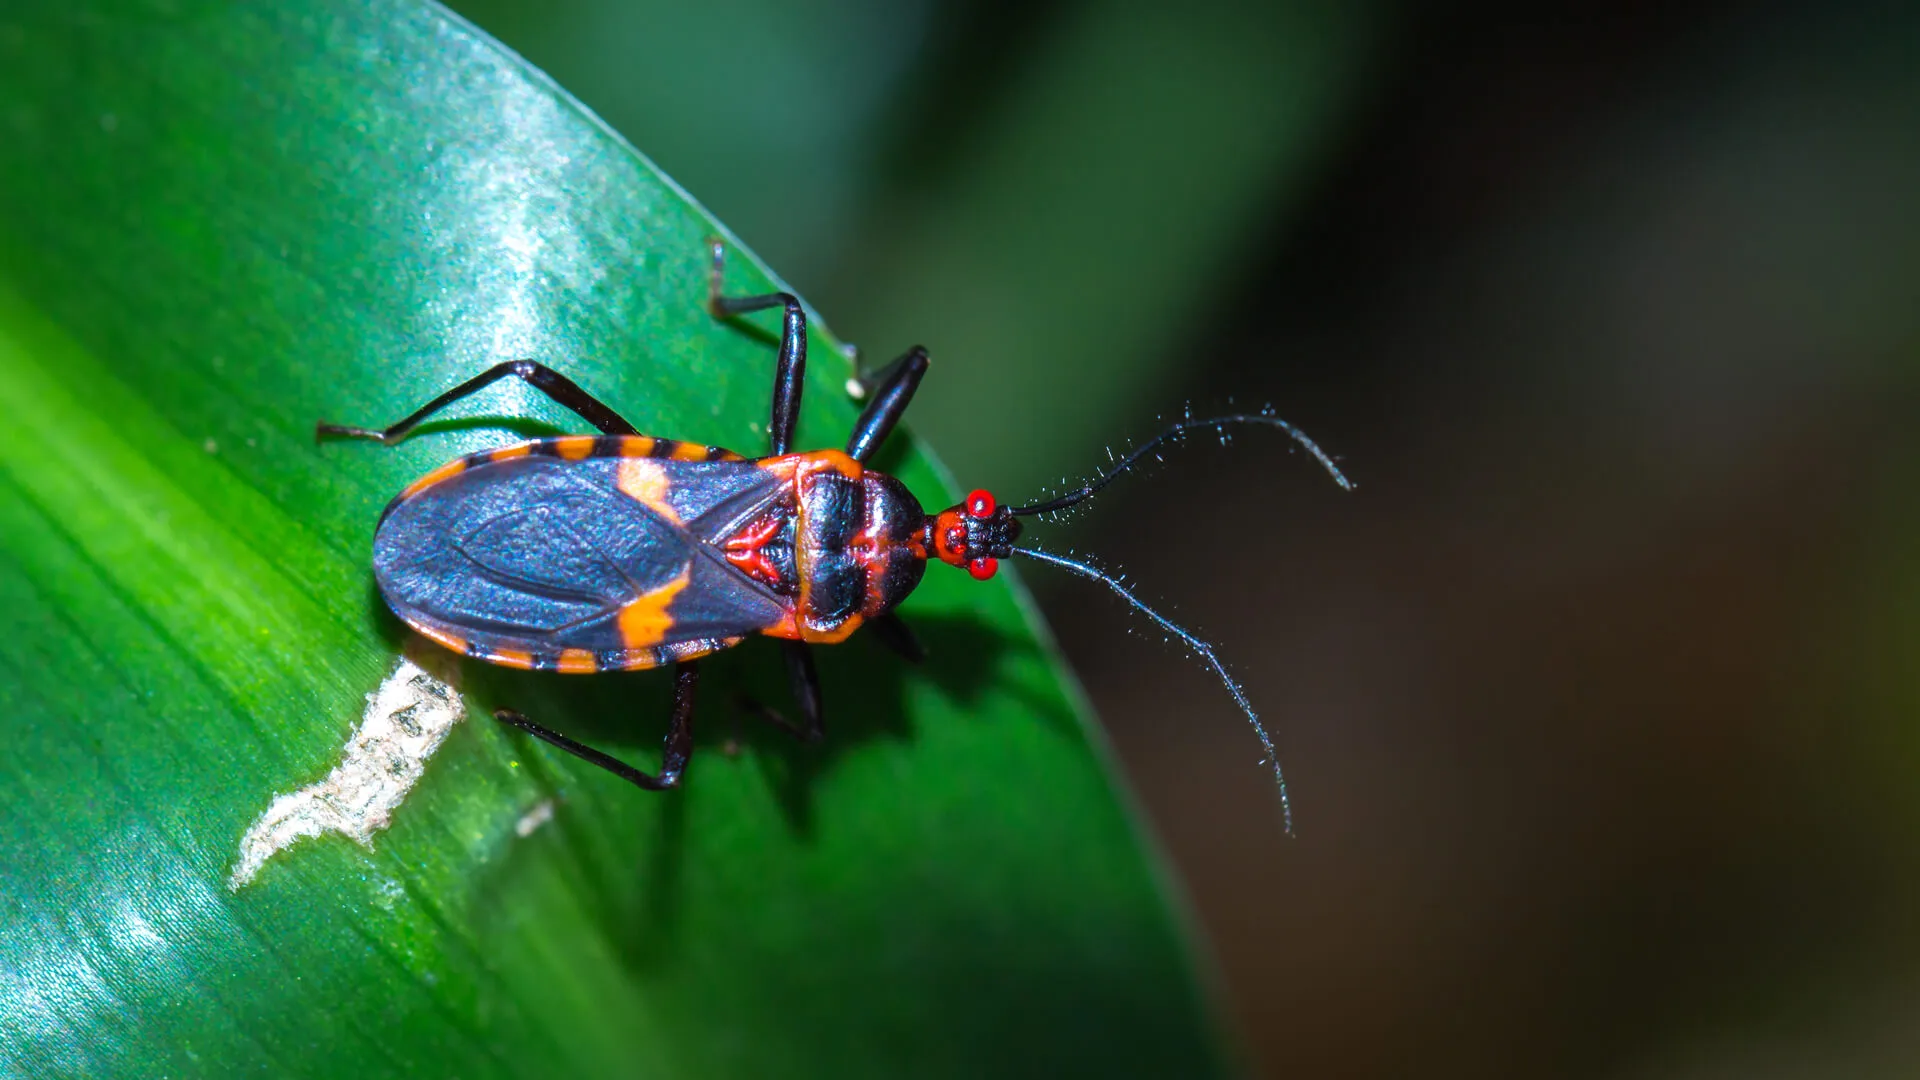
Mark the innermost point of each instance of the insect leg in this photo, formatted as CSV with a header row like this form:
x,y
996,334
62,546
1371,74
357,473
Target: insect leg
x,y
893,389
541,377
793,347
806,690
679,744
895,634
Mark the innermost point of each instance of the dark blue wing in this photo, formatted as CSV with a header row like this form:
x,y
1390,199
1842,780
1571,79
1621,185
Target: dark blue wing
x,y
533,553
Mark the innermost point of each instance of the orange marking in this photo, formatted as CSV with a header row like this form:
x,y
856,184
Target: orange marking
x,y
577,662
636,445
642,659
787,626
949,538
643,480
508,452
512,658
837,461
450,469
687,451
785,467
574,447
644,622
457,644
834,636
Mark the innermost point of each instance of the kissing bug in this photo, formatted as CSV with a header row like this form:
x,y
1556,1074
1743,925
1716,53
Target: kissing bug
x,y
622,551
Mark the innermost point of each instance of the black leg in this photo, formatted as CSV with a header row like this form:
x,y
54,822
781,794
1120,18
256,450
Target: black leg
x,y
895,634
541,377
806,690
893,388
793,347
679,744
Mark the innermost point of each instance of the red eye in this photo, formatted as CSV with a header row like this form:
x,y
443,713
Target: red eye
x,y
980,504
983,567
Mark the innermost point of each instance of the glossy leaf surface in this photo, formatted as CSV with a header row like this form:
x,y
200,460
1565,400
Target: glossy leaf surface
x,y
221,222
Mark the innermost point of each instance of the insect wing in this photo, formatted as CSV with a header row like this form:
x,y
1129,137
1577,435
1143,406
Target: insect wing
x,y
535,554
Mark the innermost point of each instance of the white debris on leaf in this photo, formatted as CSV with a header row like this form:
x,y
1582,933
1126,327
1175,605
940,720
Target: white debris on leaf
x,y
531,821
405,722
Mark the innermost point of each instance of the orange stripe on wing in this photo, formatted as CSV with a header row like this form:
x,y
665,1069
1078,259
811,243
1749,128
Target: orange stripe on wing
x,y
636,446
643,480
574,447
576,662
457,644
644,622
512,658
450,469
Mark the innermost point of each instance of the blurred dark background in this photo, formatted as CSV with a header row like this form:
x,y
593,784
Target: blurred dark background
x,y
1597,698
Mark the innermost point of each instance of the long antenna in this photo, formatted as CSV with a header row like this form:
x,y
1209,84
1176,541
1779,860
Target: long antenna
x,y
1174,432
1202,648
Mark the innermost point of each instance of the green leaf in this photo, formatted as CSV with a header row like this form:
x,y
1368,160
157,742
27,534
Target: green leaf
x,y
220,222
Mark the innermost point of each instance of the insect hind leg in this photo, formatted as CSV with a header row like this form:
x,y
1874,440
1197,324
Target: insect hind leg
x,y
562,390
678,747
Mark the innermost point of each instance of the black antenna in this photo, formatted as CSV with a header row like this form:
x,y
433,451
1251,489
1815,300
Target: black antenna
x,y
1205,650
1177,430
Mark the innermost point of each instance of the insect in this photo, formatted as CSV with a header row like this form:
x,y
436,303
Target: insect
x,y
621,551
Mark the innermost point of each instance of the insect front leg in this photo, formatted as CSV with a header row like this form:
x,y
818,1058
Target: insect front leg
x,y
793,347
561,389
678,747
893,388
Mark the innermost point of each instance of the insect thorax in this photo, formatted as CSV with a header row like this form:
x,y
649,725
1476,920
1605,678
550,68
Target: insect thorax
x,y
835,547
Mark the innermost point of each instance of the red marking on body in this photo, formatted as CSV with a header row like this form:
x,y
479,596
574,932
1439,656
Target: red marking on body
x,y
744,550
949,538
872,547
